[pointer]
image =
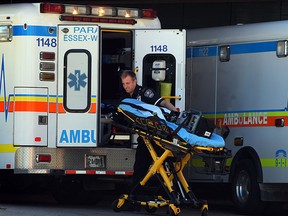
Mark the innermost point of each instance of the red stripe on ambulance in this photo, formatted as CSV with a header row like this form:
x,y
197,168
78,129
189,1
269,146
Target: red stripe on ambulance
x,y
97,172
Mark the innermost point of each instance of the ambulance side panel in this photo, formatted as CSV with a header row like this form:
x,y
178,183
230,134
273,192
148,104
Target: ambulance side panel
x,y
28,101
252,92
201,88
251,95
201,78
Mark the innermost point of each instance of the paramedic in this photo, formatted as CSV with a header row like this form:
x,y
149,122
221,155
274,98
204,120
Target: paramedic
x,y
133,90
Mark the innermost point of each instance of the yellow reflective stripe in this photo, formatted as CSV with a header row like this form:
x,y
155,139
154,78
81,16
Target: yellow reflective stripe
x,y
200,163
7,148
197,163
281,113
274,162
229,162
265,162
31,98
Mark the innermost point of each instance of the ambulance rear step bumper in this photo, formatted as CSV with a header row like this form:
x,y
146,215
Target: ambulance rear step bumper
x,y
102,161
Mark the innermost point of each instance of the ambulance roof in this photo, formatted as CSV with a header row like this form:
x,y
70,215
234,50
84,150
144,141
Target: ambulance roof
x,y
29,13
238,33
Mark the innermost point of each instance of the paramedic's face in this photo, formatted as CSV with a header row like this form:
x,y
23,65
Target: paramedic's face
x,y
129,84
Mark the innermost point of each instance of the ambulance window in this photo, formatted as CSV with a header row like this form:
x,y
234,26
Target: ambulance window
x,y
159,73
77,80
5,33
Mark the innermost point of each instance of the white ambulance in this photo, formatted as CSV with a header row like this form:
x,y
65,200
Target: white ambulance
x,y
238,75
60,67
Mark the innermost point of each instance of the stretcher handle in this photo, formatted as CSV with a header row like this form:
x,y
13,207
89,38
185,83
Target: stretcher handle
x,y
171,97
181,125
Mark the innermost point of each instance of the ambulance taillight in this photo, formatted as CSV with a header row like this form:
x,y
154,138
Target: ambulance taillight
x,y
279,122
149,13
52,8
47,56
47,66
43,158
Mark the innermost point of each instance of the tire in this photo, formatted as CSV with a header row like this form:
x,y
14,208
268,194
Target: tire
x,y
245,189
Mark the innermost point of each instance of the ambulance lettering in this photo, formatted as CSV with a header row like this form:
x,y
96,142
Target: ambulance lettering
x,y
78,136
46,42
85,30
159,48
245,119
82,34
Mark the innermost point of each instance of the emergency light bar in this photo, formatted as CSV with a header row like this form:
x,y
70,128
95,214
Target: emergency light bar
x,y
128,13
103,11
97,11
77,10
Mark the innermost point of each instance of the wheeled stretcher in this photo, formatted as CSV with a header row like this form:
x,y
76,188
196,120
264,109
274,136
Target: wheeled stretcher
x,y
179,145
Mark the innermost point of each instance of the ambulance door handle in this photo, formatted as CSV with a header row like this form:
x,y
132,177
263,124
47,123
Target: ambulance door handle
x,y
42,120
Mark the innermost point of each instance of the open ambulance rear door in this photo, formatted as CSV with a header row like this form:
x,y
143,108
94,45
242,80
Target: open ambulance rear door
x,y
160,61
78,80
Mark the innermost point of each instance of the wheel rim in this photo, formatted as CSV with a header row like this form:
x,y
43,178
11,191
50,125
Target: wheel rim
x,y
243,186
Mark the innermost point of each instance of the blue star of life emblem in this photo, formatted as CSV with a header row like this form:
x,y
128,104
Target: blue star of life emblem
x,y
77,80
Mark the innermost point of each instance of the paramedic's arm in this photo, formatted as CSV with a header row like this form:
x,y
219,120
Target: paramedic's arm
x,y
106,120
168,105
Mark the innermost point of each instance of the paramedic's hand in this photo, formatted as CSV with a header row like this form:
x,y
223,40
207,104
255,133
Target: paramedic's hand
x,y
168,105
106,119
174,116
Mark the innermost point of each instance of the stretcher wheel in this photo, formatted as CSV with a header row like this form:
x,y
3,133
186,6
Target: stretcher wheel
x,y
116,205
204,212
173,210
122,204
150,209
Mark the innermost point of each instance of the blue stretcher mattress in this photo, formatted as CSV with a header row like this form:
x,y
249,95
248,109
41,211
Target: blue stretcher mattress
x,y
215,140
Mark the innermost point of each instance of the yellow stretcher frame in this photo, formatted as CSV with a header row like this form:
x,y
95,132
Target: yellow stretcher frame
x,y
172,149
